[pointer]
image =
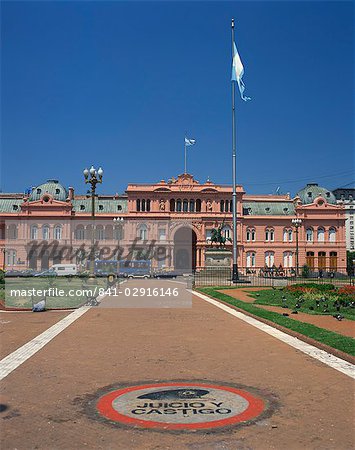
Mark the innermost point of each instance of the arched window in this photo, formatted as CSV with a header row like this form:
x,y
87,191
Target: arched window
x,y
269,259
320,234
172,205
80,233
250,259
185,205
198,205
143,232
100,233
226,206
269,234
290,235
178,205
148,205
288,259
34,232
45,232
309,235
58,232
222,205
227,232
332,234
250,234
192,205
143,205
11,257
138,205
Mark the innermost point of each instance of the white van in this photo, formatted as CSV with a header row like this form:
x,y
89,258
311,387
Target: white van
x,y
65,269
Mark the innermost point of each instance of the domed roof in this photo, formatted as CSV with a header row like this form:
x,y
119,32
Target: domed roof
x,y
52,187
312,191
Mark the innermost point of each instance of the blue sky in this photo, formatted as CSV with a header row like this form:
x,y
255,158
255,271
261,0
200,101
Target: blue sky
x,y
117,84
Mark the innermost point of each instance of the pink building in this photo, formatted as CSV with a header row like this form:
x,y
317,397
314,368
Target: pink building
x,y
179,214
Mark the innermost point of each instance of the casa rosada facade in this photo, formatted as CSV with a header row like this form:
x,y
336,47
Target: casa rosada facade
x,y
163,212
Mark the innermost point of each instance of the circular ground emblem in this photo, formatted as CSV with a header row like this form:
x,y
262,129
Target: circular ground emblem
x,y
180,406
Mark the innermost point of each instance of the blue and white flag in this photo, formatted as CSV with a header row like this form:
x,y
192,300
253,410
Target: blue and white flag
x,y
190,141
238,72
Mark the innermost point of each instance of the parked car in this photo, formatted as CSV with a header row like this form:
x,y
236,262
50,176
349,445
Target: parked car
x,y
46,273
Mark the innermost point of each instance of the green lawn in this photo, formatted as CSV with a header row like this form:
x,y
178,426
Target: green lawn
x,y
335,340
281,297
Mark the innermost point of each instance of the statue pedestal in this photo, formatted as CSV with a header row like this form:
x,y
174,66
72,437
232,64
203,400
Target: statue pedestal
x,y
218,257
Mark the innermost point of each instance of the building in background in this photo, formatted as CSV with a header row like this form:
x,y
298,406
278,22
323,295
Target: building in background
x,y
346,197
179,215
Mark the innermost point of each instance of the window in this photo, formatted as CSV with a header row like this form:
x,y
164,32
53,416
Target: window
x,y
222,205
80,233
309,235
12,231
250,234
332,234
138,205
118,233
172,205
58,232
178,205
143,205
250,259
162,234
143,232
287,235
11,257
226,231
320,234
192,206
226,206
269,234
198,205
269,259
100,233
148,205
287,259
185,206
34,232
45,232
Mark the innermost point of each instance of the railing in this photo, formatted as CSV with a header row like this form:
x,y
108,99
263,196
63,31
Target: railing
x,y
271,276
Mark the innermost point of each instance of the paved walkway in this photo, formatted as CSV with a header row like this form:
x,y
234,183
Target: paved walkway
x,y
46,397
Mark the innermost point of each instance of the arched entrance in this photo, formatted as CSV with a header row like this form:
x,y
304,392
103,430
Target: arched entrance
x,y
185,249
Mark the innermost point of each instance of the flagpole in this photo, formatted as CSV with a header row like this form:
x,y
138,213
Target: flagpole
x,y
185,154
235,276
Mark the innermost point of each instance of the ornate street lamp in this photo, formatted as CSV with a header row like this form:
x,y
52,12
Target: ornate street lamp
x,y
297,223
93,177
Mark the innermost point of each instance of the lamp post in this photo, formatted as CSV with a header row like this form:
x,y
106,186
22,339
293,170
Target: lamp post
x,y
297,223
93,177
118,221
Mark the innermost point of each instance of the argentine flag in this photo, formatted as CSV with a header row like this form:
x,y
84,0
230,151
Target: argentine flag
x,y
189,141
238,72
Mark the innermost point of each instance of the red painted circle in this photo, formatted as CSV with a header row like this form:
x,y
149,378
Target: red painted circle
x,y
255,408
